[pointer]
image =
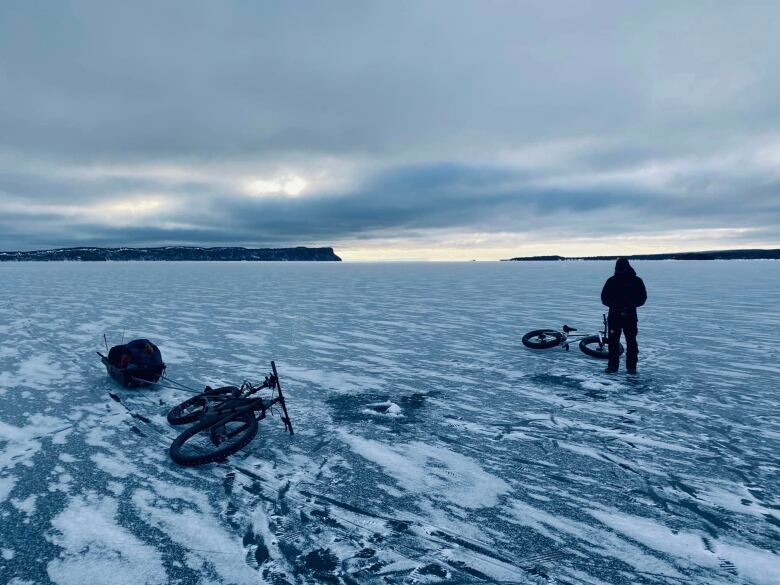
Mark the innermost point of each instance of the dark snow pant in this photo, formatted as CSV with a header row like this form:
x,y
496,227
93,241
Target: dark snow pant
x,y
627,325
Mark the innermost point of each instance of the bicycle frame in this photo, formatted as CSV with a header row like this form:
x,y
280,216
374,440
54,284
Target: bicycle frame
x,y
594,345
569,333
234,405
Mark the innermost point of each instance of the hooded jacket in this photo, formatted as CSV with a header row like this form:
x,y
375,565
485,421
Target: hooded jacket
x,y
624,291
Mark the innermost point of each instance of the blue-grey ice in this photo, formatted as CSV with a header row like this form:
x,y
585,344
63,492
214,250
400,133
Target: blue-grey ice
x,y
430,445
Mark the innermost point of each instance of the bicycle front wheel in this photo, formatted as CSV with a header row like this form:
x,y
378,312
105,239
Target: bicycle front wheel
x,y
594,347
208,441
542,338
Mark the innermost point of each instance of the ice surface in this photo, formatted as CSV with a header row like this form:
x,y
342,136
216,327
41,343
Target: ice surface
x,y
430,446
97,549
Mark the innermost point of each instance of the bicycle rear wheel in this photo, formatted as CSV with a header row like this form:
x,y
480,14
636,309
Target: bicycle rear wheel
x,y
188,411
208,440
542,338
592,346
192,409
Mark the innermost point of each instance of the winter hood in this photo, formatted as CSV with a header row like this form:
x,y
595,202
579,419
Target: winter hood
x,y
622,267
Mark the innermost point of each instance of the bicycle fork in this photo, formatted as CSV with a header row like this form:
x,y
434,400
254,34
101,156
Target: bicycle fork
x,y
604,335
286,418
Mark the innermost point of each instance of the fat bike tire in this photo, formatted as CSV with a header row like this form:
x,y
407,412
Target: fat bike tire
x,y
192,409
188,411
208,451
590,346
542,338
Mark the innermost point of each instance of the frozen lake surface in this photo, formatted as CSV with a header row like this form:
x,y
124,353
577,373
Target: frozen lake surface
x,y
430,445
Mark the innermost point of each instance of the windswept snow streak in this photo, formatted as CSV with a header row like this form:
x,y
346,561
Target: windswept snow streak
x,y
96,549
430,446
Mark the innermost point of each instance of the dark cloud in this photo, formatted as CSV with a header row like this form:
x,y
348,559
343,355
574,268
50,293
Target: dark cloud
x,y
413,200
486,116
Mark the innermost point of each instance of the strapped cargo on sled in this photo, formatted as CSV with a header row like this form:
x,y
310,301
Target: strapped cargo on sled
x,y
134,364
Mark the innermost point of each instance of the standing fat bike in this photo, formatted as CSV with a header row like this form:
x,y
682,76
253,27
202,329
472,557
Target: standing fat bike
x,y
226,420
596,346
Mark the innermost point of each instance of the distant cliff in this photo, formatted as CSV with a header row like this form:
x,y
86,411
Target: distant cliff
x,y
174,253
712,255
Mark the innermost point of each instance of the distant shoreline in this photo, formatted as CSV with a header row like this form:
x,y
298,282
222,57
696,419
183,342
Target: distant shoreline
x,y
756,254
174,254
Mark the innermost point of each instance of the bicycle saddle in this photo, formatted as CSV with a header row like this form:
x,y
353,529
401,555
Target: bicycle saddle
x,y
568,329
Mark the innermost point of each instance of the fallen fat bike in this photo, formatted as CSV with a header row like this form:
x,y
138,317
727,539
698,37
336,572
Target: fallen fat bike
x,y
226,420
596,346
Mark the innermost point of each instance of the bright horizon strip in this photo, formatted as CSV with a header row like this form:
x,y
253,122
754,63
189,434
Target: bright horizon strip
x,y
421,253
592,247
455,247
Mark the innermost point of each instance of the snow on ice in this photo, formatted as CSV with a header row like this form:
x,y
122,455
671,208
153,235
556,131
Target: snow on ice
x,y
430,446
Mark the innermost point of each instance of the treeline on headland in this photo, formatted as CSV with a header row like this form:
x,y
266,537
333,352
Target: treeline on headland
x,y
175,253
712,255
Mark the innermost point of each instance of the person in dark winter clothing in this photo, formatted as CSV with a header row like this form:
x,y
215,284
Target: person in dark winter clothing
x,y
623,293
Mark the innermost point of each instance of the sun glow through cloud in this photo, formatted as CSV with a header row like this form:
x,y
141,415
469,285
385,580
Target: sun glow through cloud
x,y
290,185
133,207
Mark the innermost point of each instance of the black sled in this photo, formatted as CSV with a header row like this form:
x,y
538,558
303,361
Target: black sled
x,y
135,364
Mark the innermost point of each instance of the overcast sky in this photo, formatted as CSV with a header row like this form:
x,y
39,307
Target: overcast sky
x,y
403,130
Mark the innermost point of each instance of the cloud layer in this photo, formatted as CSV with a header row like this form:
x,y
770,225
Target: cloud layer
x,y
461,129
